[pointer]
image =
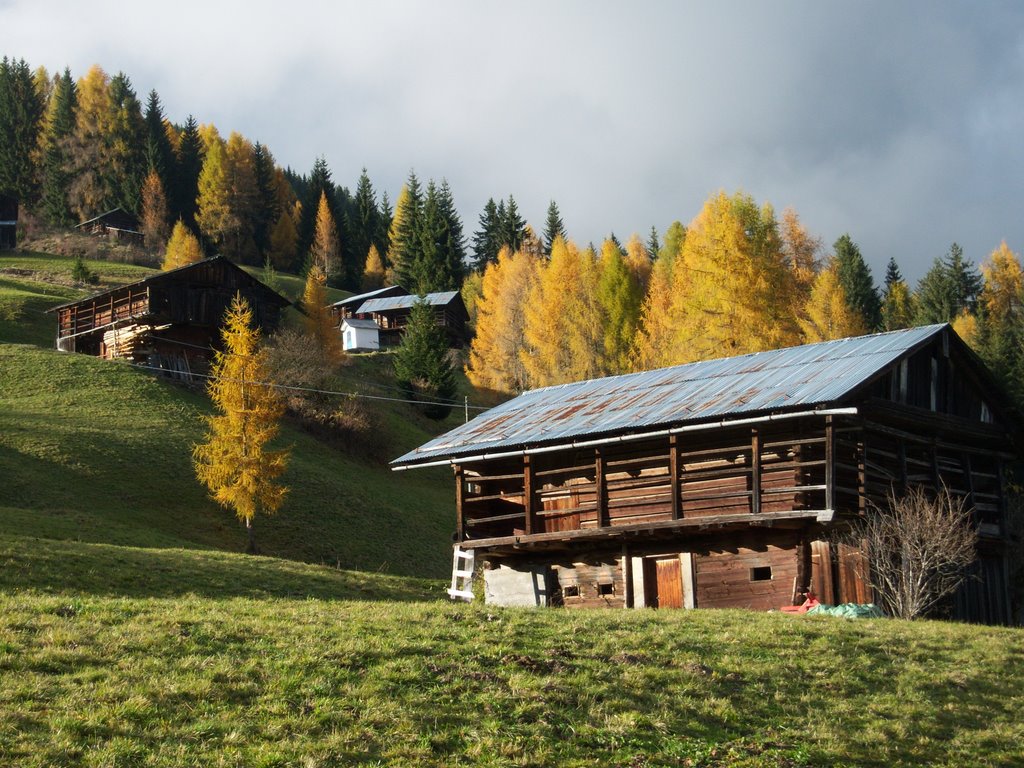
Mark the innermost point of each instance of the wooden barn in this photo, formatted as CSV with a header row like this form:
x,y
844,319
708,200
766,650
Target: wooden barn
x,y
168,321
8,222
346,308
118,224
391,313
721,483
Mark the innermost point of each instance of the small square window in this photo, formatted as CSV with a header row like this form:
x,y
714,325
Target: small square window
x,y
571,590
606,590
761,573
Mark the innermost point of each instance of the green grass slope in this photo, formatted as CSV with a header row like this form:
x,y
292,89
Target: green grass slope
x,y
97,451
283,682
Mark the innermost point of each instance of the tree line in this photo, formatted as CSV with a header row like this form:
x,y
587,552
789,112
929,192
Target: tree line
x,y
737,279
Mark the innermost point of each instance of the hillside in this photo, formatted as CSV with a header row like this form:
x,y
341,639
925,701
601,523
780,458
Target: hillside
x,y
98,452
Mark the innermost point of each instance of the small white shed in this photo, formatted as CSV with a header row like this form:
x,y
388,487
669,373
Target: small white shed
x,y
360,335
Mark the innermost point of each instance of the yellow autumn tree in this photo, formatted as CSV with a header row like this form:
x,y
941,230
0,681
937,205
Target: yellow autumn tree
x,y
88,187
394,266
639,262
734,293
562,332
183,248
827,314
325,252
652,348
317,320
1004,281
234,462
373,271
495,361
801,250
154,212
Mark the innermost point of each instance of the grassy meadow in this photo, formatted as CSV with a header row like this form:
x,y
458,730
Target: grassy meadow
x,y
134,633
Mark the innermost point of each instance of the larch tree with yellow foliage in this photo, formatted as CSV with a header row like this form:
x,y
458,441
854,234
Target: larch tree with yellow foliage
x,y
1000,328
734,291
373,271
183,248
234,461
828,315
562,333
495,361
325,252
317,320
652,348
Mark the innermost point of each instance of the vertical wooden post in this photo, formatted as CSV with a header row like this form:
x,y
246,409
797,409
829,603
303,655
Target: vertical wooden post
x,y
830,474
627,577
903,464
600,489
755,471
460,522
673,470
528,494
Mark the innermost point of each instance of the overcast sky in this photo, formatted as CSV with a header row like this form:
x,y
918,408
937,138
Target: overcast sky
x,y
900,123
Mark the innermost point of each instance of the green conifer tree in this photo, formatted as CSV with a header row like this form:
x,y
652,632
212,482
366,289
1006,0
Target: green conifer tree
x,y
858,285
423,367
553,227
56,153
21,121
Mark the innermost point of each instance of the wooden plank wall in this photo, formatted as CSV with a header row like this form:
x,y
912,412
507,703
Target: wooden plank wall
x,y
743,472
725,570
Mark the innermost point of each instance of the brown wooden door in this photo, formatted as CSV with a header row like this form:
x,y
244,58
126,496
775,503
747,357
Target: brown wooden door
x,y
668,583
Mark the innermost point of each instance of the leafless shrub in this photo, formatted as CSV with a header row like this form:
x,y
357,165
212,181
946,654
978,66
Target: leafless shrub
x,y
918,549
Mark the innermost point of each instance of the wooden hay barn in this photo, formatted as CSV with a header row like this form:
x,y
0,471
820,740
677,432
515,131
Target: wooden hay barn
x,y
346,308
391,313
721,483
117,224
168,321
8,222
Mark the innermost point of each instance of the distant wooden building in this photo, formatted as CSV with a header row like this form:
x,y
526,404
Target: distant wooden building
x,y
8,222
117,224
340,310
391,314
170,321
721,483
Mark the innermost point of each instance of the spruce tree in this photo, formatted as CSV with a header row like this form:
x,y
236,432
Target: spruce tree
x,y
423,367
892,274
486,241
21,118
406,234
553,227
56,153
858,286
364,227
125,146
267,206
191,155
653,246
382,239
513,226
159,152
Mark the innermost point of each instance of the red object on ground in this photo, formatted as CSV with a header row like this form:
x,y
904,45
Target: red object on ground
x,y
804,607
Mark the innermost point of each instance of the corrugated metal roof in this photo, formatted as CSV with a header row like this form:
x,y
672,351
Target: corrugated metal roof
x,y
773,381
361,297
405,302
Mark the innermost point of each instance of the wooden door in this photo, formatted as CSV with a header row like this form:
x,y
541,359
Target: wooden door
x,y
668,583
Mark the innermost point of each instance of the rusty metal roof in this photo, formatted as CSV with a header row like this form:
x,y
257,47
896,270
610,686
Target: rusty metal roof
x,y
762,382
405,302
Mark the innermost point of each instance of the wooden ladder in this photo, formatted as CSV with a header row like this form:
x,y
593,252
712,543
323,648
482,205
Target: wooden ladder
x,y
463,562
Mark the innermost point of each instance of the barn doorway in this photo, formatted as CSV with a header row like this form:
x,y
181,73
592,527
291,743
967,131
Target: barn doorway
x,y
665,582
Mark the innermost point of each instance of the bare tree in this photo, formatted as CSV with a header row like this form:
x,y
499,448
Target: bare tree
x,y
918,550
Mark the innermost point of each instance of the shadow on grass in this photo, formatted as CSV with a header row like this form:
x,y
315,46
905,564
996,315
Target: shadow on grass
x,y
77,568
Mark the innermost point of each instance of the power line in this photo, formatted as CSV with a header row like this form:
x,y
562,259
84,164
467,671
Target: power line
x,y
317,391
